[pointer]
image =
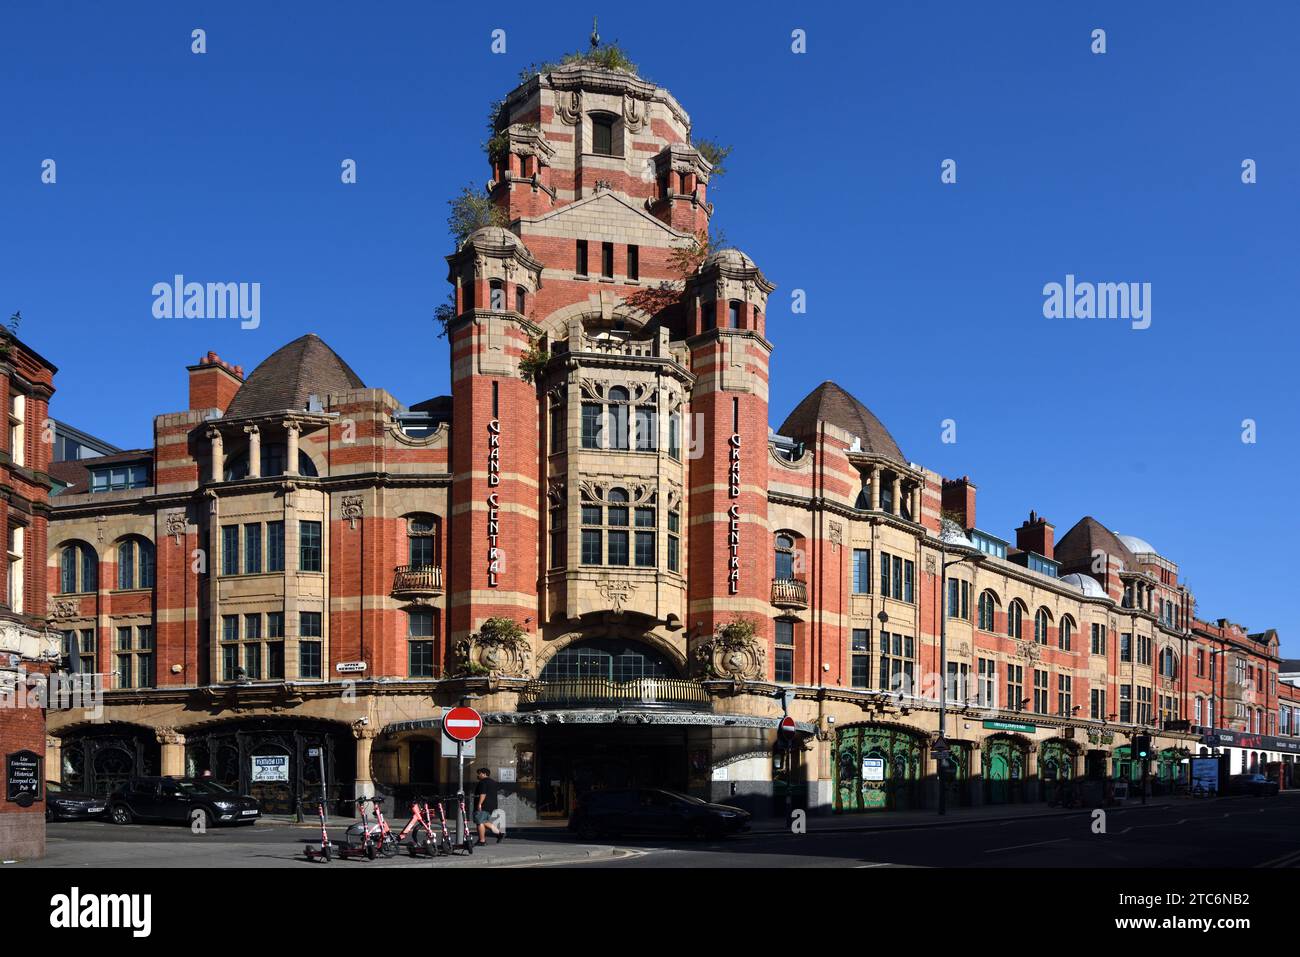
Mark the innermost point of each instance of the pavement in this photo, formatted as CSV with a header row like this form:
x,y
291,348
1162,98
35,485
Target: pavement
x,y
1167,832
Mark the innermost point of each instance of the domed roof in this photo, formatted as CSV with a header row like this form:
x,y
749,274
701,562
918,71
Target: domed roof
x,y
829,403
492,236
1086,584
728,257
1138,546
286,378
1077,546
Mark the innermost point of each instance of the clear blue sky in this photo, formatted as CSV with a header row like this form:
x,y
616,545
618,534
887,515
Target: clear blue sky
x,y
925,300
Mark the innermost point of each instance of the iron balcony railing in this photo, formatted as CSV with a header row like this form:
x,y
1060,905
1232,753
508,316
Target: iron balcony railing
x,y
788,593
417,580
660,693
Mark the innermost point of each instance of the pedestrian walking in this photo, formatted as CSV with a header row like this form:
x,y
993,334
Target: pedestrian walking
x,y
485,805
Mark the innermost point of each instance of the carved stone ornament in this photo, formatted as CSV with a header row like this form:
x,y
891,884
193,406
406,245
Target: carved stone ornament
x,y
736,659
836,533
569,108
635,114
65,608
616,591
1028,650
352,509
174,525
500,655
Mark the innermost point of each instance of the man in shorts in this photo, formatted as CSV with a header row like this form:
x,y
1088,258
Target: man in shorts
x,y
485,805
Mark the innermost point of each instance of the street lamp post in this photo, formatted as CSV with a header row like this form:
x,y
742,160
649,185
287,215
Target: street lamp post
x,y
942,756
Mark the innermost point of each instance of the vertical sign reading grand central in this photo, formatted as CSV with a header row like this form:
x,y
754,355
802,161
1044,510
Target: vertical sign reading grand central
x,y
733,515
493,502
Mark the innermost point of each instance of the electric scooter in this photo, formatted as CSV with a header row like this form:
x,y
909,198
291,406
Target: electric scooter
x,y
324,852
366,838
420,829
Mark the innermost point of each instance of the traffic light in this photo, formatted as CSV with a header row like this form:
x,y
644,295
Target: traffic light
x,y
1142,746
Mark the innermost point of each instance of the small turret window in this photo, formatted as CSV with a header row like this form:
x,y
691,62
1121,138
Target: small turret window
x,y
602,134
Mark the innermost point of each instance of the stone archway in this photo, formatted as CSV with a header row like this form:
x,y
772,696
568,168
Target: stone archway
x,y
658,643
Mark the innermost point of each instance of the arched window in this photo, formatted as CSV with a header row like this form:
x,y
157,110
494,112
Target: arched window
x,y
1067,632
733,314
275,458
521,299
422,541
496,295
619,400
78,568
1168,663
784,558
135,564
1015,618
1199,713
1042,621
614,659
988,604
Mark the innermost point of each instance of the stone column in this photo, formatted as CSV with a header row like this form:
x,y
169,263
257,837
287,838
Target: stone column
x,y
1031,774
897,503
53,758
914,502
363,785
254,451
976,775
172,752
875,489
218,473
291,456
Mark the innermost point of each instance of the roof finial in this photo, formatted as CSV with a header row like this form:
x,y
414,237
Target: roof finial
x,y
595,37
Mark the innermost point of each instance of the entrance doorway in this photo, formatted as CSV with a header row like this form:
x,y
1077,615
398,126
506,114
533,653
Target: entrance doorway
x,y
1055,770
574,761
1005,762
877,767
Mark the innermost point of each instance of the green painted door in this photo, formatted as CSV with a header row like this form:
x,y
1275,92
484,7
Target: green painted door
x,y
877,768
1004,770
1055,768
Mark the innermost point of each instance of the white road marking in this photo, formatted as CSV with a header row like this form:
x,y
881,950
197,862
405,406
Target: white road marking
x,y
1017,847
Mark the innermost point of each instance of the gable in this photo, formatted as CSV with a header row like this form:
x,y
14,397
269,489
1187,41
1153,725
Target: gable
x,y
602,213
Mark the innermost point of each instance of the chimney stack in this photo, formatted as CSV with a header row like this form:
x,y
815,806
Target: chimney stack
x,y
1036,535
958,501
213,383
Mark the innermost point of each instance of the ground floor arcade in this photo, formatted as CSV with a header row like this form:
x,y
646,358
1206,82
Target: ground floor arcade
x,y
849,754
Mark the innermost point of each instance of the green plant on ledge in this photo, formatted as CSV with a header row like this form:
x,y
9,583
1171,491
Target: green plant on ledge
x,y
501,629
531,364
737,632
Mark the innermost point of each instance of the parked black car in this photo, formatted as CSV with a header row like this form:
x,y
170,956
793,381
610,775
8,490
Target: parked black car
x,y
183,800
62,804
1254,784
654,811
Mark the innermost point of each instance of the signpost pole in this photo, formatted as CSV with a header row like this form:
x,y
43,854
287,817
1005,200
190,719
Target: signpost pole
x,y
460,790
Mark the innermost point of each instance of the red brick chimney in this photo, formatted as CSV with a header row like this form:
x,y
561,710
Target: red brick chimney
x,y
1036,535
958,501
213,383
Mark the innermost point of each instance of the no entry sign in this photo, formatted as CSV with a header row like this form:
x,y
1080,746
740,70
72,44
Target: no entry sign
x,y
787,725
462,724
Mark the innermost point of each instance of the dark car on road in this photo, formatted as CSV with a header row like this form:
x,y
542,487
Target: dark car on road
x,y
62,804
654,811
1254,784
184,800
